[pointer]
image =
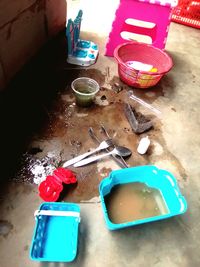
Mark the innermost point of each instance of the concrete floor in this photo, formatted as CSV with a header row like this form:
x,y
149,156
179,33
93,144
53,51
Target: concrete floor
x,y
41,127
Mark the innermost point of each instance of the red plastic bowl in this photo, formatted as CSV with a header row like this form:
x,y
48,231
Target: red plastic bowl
x,y
134,51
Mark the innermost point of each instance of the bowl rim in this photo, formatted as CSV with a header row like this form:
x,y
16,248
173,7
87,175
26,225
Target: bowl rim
x,y
88,79
147,45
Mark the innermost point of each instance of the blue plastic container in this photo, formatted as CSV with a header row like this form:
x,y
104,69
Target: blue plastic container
x,y
55,235
161,180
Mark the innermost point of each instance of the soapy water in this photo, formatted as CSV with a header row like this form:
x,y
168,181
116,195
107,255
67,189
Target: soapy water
x,y
134,201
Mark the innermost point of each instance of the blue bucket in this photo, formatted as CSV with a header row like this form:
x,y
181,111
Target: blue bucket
x,y
153,177
55,235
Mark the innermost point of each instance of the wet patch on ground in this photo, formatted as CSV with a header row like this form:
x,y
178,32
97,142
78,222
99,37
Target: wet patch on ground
x,y
5,228
26,247
94,74
74,140
164,88
55,129
32,168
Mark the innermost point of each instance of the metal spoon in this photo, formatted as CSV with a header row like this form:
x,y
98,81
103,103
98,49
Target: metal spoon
x,y
122,151
120,160
125,152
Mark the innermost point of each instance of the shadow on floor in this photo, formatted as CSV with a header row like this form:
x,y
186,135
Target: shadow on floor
x,y
24,104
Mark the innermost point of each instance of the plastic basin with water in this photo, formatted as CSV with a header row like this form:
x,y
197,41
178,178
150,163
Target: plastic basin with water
x,y
161,180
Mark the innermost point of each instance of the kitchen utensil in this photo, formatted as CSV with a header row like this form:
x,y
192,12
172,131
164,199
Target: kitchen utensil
x,y
103,145
120,161
117,150
121,157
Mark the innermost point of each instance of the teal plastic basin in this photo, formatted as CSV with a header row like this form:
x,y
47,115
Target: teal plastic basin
x,y
161,180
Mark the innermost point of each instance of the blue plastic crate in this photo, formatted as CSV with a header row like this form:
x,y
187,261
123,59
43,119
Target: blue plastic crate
x,y
161,180
55,235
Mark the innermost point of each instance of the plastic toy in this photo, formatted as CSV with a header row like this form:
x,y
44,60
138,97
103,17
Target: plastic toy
x,y
80,52
153,177
55,236
146,18
50,189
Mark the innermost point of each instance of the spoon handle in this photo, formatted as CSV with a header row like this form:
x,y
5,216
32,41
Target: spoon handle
x,y
80,157
94,158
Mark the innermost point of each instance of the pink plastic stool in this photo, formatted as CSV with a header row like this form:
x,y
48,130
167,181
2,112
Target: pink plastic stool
x,y
156,12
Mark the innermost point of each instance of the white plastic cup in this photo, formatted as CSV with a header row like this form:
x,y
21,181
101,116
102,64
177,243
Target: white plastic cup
x,y
84,90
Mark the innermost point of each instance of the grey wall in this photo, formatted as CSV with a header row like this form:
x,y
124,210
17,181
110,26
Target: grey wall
x,y
25,25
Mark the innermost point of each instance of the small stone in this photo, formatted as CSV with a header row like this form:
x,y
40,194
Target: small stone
x,y
103,97
117,87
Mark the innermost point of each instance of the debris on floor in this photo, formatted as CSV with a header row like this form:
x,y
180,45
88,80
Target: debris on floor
x,y
139,123
34,170
5,228
143,103
117,87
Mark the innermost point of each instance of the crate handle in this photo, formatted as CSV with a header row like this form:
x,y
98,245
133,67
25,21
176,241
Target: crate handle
x,y
57,213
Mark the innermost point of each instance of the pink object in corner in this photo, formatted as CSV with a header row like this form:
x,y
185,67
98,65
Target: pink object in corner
x,y
147,18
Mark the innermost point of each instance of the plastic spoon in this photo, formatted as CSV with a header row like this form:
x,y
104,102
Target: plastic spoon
x,y
123,151
103,145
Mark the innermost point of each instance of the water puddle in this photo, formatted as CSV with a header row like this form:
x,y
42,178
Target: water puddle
x,y
5,228
134,201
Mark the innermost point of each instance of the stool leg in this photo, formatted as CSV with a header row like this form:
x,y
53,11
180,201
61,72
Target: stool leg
x,y
143,11
114,36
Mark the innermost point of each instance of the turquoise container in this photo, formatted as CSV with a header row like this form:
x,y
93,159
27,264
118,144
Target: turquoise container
x,y
153,177
55,235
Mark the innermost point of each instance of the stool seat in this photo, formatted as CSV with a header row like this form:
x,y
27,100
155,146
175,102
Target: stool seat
x,y
140,18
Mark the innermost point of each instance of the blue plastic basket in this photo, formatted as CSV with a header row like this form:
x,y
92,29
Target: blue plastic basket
x,y
55,235
161,180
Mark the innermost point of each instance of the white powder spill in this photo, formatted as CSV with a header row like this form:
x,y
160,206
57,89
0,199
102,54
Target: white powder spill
x,y
40,171
158,149
52,154
35,170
